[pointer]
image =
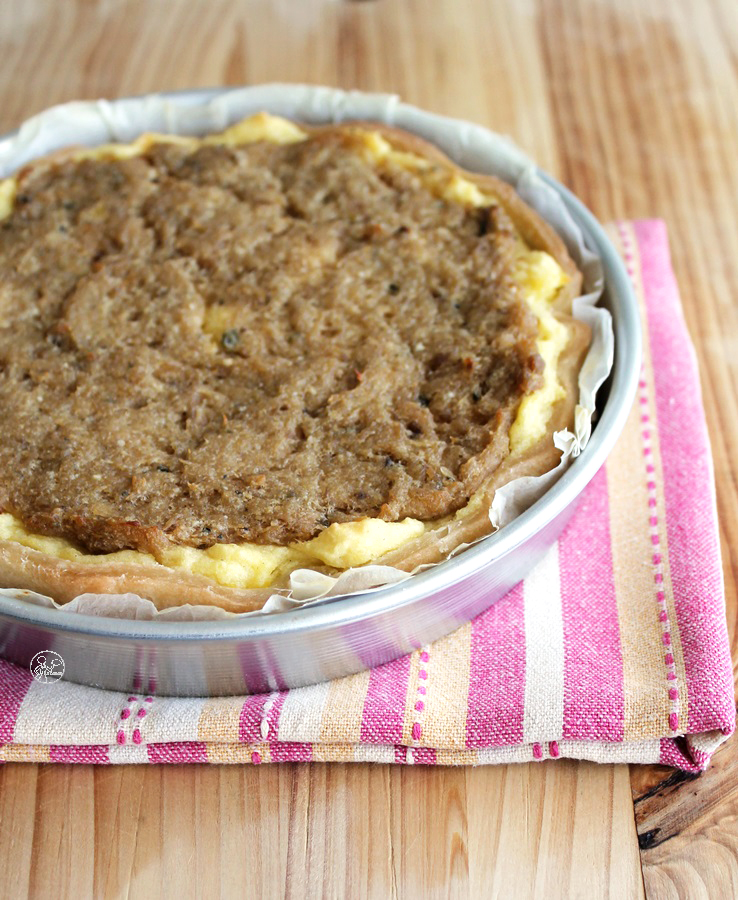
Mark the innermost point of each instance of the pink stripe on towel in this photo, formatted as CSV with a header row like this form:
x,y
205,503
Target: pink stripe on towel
x,y
594,707
694,550
383,718
497,674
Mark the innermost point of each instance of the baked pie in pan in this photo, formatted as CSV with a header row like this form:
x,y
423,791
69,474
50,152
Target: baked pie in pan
x,y
278,347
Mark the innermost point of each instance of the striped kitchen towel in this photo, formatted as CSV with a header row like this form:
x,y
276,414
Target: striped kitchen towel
x,y
613,649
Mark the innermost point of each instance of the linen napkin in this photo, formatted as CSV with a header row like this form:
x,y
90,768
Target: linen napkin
x,y
613,649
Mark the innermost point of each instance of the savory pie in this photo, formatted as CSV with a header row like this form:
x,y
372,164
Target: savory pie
x,y
274,348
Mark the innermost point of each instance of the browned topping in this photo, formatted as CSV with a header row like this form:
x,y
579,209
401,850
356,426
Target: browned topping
x,y
248,344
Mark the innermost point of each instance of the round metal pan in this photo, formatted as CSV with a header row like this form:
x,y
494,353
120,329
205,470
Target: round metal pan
x,y
256,654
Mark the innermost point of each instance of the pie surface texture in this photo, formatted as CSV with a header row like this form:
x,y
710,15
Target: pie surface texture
x,y
265,345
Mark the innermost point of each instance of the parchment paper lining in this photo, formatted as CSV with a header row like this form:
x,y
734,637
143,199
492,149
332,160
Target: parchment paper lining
x,y
471,146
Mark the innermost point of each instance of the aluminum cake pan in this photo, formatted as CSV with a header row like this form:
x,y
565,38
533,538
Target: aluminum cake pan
x,y
340,637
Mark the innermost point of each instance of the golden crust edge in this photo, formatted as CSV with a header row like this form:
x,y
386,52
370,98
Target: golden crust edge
x,y
63,580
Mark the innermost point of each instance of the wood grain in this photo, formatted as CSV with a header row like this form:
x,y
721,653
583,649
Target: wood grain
x,y
688,828
562,829
635,106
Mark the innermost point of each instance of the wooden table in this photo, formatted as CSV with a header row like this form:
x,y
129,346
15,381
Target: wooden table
x,y
635,106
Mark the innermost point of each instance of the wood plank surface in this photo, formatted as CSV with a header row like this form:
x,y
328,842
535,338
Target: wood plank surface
x,y
635,107
317,831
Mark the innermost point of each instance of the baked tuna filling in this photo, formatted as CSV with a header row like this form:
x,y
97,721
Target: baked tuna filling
x,y
246,344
